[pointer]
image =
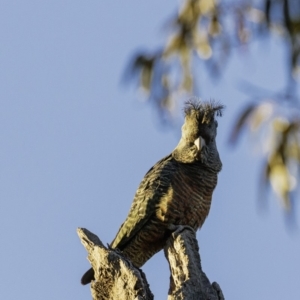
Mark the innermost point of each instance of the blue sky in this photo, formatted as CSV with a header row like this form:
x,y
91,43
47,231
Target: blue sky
x,y
75,145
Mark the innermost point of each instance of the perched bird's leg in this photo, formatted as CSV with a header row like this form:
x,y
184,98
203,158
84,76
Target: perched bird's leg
x,y
177,229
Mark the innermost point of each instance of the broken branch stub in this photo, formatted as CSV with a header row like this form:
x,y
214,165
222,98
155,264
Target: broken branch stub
x,y
115,276
187,280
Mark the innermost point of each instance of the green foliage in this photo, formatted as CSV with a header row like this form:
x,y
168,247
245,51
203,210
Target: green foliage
x,y
281,143
208,30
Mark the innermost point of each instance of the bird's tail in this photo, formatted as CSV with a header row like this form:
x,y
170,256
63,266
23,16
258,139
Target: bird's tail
x,y
87,277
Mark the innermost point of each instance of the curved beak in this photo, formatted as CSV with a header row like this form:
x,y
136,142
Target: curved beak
x,y
199,142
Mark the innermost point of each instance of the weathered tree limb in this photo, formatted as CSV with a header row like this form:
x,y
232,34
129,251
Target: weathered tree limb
x,y
117,278
187,280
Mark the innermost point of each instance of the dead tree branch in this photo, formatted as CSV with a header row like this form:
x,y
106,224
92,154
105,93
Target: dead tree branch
x,y
187,280
117,278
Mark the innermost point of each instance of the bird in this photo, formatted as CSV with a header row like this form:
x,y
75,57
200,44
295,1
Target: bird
x,y
177,190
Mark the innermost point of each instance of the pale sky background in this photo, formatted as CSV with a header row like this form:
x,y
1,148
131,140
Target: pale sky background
x,y
75,145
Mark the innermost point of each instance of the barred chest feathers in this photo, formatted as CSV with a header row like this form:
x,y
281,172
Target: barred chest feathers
x,y
188,199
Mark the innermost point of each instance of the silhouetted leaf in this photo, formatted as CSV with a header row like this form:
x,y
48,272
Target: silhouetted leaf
x,y
241,122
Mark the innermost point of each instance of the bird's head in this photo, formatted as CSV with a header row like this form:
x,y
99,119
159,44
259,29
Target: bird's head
x,y
199,130
200,126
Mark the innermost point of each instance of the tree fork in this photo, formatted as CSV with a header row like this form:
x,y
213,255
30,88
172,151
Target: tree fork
x,y
117,278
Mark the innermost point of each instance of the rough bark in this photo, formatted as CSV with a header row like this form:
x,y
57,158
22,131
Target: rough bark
x,y
117,278
187,280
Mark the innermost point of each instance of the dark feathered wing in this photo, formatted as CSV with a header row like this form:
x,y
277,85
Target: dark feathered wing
x,y
154,185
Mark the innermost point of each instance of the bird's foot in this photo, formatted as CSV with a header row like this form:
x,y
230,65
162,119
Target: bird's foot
x,y
177,229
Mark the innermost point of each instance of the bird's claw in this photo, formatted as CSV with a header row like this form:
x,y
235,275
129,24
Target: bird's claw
x,y
177,229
